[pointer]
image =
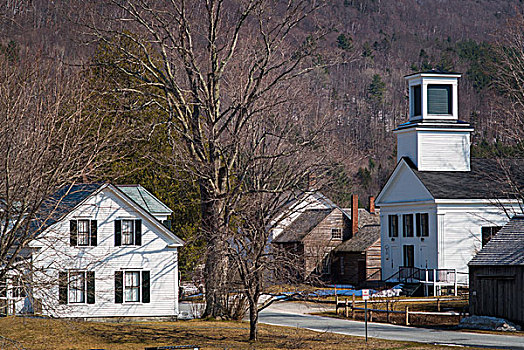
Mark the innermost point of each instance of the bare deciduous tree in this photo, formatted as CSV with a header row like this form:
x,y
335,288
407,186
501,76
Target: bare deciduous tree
x,y
50,138
211,67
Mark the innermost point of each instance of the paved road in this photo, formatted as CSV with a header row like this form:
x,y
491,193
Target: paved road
x,y
296,315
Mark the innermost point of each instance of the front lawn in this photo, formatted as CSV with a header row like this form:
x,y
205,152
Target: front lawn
x,y
39,334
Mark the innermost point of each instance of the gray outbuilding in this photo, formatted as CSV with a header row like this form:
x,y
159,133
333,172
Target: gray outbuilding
x,y
496,275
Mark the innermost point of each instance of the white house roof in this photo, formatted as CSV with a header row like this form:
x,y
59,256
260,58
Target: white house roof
x,y
145,199
68,198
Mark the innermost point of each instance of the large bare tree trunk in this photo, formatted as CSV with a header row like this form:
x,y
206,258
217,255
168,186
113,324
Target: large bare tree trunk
x,y
253,321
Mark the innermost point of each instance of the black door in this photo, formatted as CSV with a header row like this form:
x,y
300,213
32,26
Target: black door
x,y
409,255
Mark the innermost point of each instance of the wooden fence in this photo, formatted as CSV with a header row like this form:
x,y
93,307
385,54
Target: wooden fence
x,y
346,306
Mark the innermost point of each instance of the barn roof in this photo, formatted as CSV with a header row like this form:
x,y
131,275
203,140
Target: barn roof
x,y
365,238
302,225
488,179
506,247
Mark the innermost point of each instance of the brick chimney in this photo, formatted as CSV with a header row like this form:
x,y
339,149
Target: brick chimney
x,y
354,215
372,204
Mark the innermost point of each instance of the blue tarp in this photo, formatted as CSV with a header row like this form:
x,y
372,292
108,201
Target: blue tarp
x,y
344,292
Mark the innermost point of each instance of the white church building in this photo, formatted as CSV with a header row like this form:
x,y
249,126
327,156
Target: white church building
x,y
439,206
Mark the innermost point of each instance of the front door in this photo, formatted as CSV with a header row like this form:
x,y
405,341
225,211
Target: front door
x,y
409,255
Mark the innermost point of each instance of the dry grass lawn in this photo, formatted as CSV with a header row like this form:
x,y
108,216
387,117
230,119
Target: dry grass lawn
x,y
39,334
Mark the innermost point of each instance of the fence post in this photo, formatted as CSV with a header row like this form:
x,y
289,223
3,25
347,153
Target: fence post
x,y
407,315
353,307
455,283
387,310
438,305
434,282
346,311
336,304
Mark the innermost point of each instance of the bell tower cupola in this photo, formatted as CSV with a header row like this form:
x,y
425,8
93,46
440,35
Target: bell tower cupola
x,y
434,138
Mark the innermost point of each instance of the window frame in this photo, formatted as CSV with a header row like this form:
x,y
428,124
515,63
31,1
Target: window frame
x,y
417,90
18,289
131,234
408,218
493,231
86,235
89,236
338,231
393,229
71,273
450,98
422,230
125,287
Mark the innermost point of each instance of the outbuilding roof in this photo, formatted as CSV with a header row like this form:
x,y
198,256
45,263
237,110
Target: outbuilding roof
x,y
506,247
365,238
488,179
302,225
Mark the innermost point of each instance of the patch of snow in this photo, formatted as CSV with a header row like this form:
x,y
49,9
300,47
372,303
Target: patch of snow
x,y
488,323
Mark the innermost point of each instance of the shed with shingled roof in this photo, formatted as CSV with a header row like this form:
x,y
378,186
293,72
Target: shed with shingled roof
x,y
496,274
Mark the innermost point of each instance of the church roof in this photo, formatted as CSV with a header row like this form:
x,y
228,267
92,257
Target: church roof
x,y
434,71
488,179
506,247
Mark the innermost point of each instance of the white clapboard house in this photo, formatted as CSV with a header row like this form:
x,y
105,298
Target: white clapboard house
x,y
439,206
108,254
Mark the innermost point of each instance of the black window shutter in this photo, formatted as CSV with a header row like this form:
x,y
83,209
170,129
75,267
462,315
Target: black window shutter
x,y
90,276
119,287
145,287
94,232
418,224
417,100
138,232
73,232
118,233
62,287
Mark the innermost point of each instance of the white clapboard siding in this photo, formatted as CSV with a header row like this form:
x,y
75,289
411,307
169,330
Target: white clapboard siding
x,y
153,255
443,151
407,145
461,235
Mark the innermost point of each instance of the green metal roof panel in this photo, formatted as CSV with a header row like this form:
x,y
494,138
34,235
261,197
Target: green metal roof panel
x,y
145,199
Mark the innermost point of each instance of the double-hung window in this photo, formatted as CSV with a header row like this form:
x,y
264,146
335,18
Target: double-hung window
x,y
408,225
83,232
128,232
422,221
76,287
132,286
393,225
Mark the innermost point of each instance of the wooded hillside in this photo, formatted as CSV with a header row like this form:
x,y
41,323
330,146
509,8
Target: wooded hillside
x,y
363,91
